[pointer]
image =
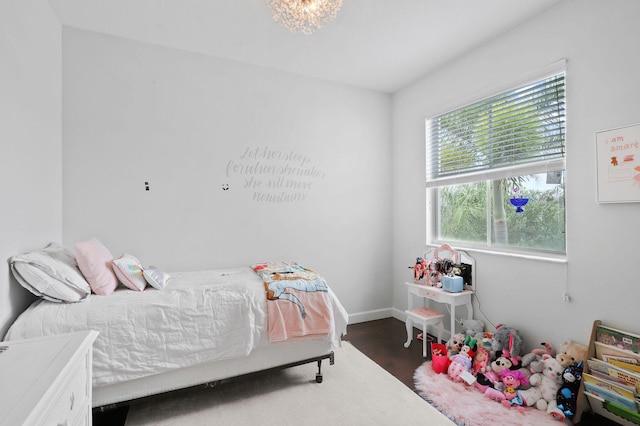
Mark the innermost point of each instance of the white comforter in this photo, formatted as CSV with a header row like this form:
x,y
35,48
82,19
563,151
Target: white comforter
x,y
198,317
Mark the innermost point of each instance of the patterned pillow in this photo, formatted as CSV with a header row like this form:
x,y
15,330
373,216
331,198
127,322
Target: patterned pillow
x,y
94,261
128,269
156,278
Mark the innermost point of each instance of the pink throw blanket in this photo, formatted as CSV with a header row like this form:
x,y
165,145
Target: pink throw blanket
x,y
298,301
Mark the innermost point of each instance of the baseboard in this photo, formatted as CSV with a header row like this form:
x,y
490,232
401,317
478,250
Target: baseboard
x,y
390,313
370,315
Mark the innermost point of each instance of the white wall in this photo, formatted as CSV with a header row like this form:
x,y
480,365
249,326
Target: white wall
x,y
599,40
30,140
136,113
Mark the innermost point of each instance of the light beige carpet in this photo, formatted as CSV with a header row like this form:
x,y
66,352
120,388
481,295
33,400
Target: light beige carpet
x,y
355,391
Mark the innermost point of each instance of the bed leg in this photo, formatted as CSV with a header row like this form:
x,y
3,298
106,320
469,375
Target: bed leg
x,y
319,373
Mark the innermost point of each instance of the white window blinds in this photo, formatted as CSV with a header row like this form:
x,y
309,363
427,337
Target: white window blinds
x,y
519,130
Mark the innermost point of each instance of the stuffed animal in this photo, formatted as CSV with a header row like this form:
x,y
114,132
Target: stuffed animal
x,y
463,360
544,388
480,361
508,339
571,353
510,396
533,360
455,344
512,381
547,348
567,395
472,327
491,377
485,341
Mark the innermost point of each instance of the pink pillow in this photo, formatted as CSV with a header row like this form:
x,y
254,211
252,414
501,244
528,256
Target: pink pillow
x,y
94,261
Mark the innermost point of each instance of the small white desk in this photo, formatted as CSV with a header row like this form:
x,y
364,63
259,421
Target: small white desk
x,y
439,295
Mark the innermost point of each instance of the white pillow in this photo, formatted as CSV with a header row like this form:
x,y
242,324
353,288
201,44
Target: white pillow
x,y
128,269
156,278
94,261
50,273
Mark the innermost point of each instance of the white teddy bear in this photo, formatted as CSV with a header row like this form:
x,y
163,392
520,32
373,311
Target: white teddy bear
x,y
544,387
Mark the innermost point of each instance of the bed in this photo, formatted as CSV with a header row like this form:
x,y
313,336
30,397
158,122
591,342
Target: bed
x,y
204,326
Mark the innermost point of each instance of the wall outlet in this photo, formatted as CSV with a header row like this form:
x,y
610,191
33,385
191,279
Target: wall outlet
x,y
566,297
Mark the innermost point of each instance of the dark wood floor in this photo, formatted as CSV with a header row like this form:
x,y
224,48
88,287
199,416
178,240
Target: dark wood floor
x,y
382,341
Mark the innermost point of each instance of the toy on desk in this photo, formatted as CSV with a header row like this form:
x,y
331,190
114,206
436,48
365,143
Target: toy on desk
x,y
452,284
420,270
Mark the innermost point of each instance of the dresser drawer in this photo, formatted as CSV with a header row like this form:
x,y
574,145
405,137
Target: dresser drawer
x,y
47,380
73,397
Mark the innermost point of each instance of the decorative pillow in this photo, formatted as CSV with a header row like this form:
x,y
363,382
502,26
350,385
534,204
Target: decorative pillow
x,y
94,261
50,273
156,278
129,271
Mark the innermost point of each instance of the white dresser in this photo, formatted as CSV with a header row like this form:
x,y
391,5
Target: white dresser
x,y
47,380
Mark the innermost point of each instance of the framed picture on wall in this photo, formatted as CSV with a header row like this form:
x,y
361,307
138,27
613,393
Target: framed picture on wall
x,y
618,164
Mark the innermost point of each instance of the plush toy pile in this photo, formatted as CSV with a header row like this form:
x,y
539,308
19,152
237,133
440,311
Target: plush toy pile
x,y
496,365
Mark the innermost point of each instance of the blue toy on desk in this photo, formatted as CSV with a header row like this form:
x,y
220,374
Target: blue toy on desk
x,y
452,284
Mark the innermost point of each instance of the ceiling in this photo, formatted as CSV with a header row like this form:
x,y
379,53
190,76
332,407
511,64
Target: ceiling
x,y
376,44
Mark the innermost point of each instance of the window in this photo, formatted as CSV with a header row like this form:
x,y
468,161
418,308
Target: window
x,y
495,171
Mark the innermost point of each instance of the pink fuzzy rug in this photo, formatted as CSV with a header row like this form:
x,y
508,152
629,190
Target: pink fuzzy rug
x,y
467,406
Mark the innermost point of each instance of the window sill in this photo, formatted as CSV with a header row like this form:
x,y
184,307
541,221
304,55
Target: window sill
x,y
539,257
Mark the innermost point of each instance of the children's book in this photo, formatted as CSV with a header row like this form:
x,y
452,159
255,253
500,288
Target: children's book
x,y
634,368
607,351
625,359
610,391
618,338
615,374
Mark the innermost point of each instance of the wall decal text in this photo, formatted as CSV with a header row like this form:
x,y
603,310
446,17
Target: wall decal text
x,y
273,175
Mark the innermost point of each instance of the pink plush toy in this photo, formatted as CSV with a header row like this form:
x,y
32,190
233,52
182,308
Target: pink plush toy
x,y
510,396
480,361
547,348
512,381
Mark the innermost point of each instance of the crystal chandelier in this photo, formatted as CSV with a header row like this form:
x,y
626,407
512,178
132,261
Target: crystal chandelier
x,y
304,16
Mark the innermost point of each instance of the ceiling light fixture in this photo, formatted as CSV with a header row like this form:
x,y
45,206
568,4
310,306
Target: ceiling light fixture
x,y
304,16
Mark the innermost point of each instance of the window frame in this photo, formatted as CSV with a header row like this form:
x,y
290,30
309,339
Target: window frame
x,y
432,207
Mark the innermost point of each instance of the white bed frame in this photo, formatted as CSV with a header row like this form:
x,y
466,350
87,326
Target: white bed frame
x,y
275,355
